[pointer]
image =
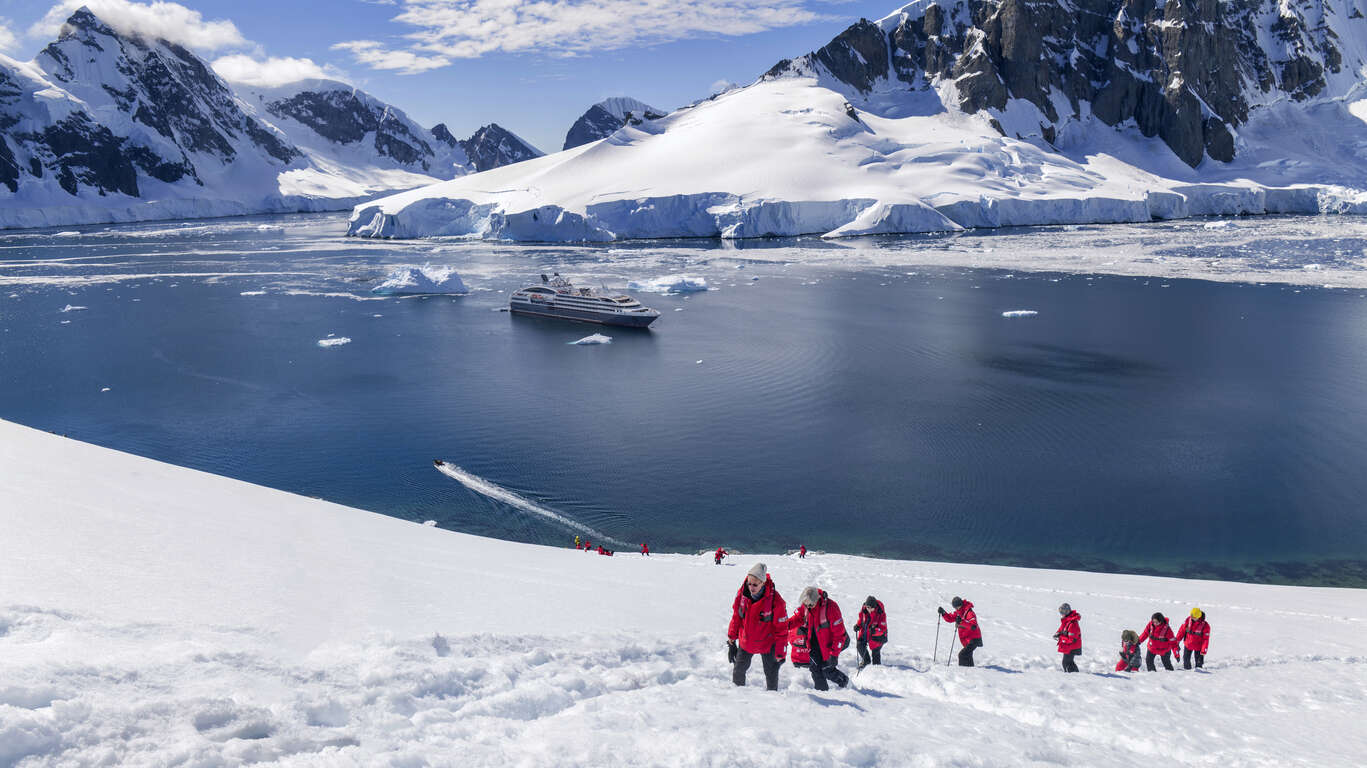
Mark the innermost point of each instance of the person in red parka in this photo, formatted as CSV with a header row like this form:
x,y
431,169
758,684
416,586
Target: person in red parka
x,y
821,632
1196,632
759,627
1069,636
1130,657
719,555
1161,642
871,632
801,551
645,550
969,634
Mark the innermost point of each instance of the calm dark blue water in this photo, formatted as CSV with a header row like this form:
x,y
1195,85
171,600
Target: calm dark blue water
x,y
842,399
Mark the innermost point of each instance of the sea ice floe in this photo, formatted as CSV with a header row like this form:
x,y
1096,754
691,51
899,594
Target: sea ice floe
x,y
336,341
1313,267
596,338
104,389
426,279
671,284
252,293
1020,313
70,308
1219,225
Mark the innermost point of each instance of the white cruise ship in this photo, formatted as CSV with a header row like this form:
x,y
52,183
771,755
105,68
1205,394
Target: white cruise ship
x,y
555,297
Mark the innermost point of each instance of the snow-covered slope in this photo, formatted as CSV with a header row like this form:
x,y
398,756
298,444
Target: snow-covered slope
x,y
107,126
950,114
604,118
157,615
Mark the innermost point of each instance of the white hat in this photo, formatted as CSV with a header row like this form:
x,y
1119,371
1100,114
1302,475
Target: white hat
x,y
810,595
759,571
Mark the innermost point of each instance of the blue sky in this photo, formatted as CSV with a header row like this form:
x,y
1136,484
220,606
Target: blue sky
x,y
532,66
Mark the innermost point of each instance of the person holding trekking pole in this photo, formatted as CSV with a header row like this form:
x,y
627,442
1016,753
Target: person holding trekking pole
x,y
966,621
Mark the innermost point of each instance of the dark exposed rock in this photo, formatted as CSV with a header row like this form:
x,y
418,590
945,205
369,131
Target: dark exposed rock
x,y
605,118
9,166
344,116
1178,68
494,146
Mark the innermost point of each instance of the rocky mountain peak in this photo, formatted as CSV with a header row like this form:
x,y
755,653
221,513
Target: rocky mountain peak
x,y
1186,71
606,117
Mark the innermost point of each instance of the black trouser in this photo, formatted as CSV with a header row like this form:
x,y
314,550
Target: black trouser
x,y
742,666
1167,661
821,673
966,655
1186,659
1069,665
864,653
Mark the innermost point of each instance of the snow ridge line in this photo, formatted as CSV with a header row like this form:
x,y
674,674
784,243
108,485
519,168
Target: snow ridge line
x,y
499,493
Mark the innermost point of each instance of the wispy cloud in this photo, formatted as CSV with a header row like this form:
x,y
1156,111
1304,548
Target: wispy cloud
x,y
443,30
156,20
272,70
376,55
8,40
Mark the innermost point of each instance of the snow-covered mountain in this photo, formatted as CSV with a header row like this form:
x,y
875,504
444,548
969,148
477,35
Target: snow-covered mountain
x,y
104,125
604,118
952,113
153,615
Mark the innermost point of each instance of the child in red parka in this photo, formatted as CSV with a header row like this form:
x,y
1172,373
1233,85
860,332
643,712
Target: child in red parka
x,y
1130,656
1069,636
1196,632
1161,642
871,632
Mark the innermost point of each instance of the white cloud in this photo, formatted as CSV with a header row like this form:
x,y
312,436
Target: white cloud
x,y
272,71
376,55
7,37
164,20
454,29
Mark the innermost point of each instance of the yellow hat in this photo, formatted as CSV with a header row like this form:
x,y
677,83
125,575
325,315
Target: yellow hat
x,y
1196,613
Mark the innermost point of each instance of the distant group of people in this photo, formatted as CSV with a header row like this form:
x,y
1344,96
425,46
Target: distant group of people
x,y
1194,634
587,546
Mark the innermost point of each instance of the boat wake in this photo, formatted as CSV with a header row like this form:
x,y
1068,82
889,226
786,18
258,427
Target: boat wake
x,y
499,493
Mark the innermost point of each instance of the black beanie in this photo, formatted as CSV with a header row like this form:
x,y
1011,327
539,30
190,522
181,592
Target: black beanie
x,y
956,602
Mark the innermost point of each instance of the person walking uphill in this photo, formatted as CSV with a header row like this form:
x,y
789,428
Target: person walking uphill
x,y
871,632
821,632
759,627
1196,632
1069,636
719,555
1161,642
966,620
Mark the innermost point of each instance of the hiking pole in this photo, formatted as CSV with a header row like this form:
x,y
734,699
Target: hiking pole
x,y
951,644
934,657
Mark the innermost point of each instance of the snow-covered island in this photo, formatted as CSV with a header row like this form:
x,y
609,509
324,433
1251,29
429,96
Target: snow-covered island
x,y
948,114
156,615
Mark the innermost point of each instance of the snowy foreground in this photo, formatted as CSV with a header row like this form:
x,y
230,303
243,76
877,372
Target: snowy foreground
x,y
153,615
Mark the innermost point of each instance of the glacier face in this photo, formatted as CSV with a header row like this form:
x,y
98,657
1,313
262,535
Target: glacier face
x,y
955,113
104,125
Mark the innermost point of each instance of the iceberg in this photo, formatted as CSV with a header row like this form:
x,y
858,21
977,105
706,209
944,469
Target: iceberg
x,y
1020,313
336,341
671,284
411,281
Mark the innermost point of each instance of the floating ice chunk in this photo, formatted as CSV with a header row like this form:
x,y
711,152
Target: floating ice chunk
x,y
430,523
421,280
104,389
1313,267
334,342
1220,225
70,308
698,362
671,284
596,338
1020,313
252,293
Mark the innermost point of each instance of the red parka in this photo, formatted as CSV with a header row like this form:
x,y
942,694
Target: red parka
x,y
968,622
824,622
872,626
1196,632
1070,633
760,625
798,654
1160,637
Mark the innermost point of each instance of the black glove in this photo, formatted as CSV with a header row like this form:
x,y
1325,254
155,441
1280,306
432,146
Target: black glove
x,y
778,659
730,651
941,610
